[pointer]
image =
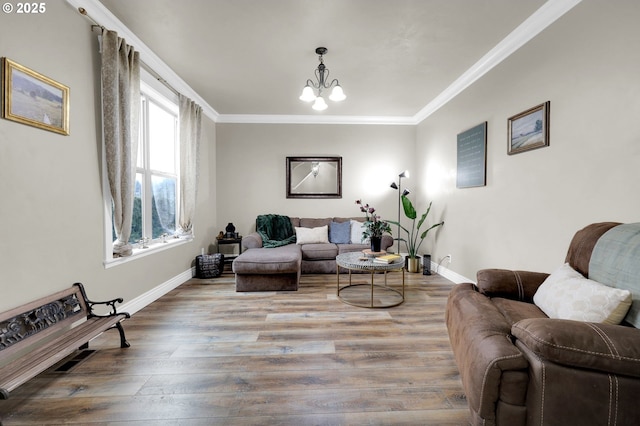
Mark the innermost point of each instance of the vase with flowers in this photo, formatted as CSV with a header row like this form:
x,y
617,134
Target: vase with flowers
x,y
374,226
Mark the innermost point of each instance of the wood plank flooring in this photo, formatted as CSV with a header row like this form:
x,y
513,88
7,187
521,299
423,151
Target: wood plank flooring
x,y
206,355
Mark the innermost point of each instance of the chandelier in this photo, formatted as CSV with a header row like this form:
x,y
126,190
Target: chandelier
x,y
322,76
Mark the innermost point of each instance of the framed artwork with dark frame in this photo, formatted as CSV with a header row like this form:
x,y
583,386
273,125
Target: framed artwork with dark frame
x,y
314,177
472,157
33,99
529,129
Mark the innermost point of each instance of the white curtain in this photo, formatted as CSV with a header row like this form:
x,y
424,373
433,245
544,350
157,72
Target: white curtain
x,y
120,112
190,128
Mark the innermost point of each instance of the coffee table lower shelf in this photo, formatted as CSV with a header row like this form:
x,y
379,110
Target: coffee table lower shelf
x,y
351,262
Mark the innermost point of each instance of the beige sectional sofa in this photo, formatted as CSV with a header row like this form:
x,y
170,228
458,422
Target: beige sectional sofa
x,y
260,268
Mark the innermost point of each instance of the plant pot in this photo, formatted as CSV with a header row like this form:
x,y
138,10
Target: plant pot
x,y
376,244
412,264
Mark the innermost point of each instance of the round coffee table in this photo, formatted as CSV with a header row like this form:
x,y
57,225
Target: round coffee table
x,y
359,262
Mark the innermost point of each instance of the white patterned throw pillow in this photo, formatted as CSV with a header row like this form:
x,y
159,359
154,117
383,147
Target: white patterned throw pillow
x,y
357,228
566,294
317,235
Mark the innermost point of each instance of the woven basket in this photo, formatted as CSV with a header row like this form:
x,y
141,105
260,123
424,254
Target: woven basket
x,y
209,265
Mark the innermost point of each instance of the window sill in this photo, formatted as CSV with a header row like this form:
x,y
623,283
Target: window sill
x,y
153,248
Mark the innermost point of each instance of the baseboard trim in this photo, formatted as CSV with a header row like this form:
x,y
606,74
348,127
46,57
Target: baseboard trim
x,y
449,274
155,293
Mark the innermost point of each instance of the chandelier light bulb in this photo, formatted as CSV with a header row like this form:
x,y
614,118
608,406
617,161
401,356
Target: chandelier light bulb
x,y
337,94
319,104
307,94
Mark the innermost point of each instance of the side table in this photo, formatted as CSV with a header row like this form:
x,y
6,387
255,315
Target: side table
x,y
352,261
228,258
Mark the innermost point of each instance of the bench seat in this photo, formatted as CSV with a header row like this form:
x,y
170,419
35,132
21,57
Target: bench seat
x,y
37,335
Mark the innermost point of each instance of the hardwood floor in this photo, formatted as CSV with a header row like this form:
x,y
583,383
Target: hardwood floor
x,y
204,354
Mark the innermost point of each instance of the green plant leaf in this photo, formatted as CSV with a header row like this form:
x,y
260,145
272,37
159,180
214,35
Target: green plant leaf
x,y
424,234
393,222
424,216
409,210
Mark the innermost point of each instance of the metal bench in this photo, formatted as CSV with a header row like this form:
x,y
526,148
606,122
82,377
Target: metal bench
x,y
37,335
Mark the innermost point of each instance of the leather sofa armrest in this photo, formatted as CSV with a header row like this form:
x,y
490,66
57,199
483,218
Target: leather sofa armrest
x,y
603,347
253,240
516,285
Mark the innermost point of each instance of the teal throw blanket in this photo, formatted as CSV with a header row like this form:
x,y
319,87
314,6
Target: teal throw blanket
x,y
615,261
275,230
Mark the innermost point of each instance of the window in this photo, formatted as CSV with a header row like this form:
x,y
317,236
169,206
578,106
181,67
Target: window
x,y
156,191
156,195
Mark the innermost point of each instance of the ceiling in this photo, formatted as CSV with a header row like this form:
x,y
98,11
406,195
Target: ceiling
x,y
253,57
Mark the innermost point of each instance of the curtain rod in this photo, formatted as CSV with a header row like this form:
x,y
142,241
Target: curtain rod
x,y
95,25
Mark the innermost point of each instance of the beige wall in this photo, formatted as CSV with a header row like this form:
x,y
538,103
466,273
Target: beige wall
x,y
587,65
51,203
251,168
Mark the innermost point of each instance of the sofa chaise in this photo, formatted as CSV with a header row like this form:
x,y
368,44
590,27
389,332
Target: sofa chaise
x,y
261,268
545,349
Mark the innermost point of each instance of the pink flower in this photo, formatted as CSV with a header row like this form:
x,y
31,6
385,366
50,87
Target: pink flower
x,y
374,225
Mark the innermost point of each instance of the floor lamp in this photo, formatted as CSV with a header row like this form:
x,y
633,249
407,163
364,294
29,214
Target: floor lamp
x,y
404,174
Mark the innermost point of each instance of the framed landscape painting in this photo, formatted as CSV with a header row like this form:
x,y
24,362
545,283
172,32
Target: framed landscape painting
x,y
31,98
529,129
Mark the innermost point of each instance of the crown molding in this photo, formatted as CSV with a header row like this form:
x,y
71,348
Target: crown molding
x,y
547,14
314,119
103,17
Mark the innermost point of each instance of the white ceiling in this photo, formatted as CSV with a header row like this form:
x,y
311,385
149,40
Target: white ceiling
x,y
392,57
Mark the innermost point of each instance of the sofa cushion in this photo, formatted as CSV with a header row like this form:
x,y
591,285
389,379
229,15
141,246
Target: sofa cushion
x,y
514,311
314,222
604,347
319,251
350,248
295,221
317,235
278,260
566,294
357,228
340,232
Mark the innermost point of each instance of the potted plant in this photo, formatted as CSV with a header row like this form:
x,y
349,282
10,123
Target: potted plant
x,y
414,237
374,227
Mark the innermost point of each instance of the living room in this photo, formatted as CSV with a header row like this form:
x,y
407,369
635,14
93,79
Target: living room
x,y
585,64
524,217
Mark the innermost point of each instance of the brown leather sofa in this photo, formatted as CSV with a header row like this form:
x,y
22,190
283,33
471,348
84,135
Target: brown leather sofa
x,y
519,367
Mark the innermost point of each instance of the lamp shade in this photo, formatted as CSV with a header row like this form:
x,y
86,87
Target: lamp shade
x,y
319,104
307,94
337,94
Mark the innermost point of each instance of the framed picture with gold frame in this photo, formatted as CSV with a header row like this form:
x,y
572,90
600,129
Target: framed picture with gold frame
x,y
529,129
34,99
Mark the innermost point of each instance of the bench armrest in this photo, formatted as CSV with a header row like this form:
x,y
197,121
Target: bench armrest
x,y
109,303
603,347
516,285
